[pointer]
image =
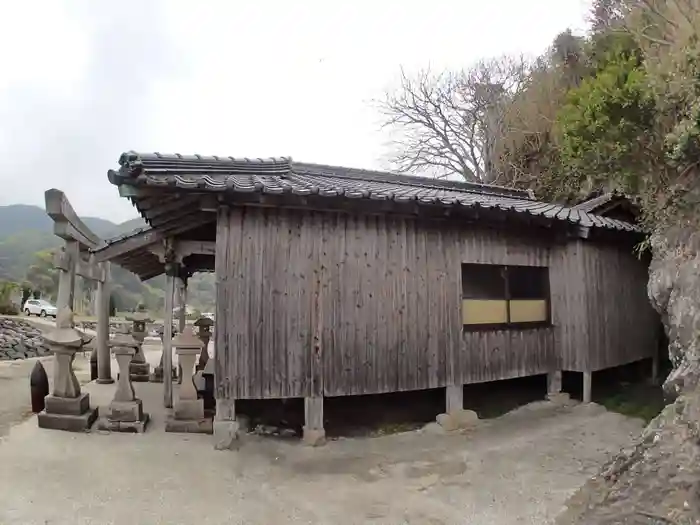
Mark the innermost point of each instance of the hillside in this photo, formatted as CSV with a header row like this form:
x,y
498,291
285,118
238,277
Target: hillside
x,y
26,230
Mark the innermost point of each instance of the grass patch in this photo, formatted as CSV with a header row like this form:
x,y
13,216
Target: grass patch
x,y
643,401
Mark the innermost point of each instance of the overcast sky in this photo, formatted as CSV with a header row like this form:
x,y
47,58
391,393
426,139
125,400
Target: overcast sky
x,y
83,80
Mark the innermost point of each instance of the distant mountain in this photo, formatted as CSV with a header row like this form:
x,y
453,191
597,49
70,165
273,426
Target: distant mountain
x,y
26,230
23,217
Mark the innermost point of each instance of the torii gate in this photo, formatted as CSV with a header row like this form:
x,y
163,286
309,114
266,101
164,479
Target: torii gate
x,y
75,258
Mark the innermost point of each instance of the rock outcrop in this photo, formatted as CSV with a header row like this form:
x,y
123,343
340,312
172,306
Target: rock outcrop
x,y
20,340
657,479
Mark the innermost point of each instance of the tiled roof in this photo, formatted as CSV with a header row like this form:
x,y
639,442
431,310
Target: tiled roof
x,y
283,176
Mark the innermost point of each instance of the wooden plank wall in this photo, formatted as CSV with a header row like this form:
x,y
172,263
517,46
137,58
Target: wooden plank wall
x,y
504,354
622,325
601,313
568,285
336,304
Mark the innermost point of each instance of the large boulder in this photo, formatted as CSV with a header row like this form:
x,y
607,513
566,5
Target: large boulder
x,y
657,479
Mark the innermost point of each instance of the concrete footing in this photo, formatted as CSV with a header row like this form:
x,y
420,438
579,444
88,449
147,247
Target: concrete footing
x,y
314,433
226,435
559,398
314,437
457,420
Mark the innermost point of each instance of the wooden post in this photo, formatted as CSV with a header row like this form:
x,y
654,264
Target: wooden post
x,y
454,399
168,340
182,303
314,433
587,385
104,363
554,382
655,368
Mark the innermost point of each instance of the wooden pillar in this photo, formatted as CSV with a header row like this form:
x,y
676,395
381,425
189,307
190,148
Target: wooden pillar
x,y
554,382
454,399
182,303
587,384
314,433
168,339
104,363
66,275
226,427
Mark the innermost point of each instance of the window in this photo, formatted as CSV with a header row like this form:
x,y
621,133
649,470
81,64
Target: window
x,y
495,296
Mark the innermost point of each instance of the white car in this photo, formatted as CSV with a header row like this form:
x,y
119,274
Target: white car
x,y
39,307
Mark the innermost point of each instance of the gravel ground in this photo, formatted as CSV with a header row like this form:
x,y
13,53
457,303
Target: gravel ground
x,y
519,468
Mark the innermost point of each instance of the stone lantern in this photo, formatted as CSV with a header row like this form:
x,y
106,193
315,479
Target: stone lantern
x,y
66,407
204,325
139,369
188,413
125,412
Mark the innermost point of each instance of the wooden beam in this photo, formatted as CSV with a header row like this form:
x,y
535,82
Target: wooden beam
x,y
128,244
185,248
67,224
85,268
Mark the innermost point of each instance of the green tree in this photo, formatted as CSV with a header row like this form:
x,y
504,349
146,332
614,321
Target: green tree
x,y
607,128
42,275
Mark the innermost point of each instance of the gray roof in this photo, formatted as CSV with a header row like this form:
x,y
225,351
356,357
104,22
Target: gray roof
x,y
278,176
596,204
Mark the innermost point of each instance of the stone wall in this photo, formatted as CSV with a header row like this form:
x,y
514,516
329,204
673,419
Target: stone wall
x,y
20,340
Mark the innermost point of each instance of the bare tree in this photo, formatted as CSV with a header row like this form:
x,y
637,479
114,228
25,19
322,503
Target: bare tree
x,y
450,123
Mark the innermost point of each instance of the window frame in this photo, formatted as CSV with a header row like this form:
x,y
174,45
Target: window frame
x,y
510,325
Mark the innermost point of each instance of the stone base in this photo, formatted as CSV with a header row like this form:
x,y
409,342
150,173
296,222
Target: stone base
x,y
66,405
139,372
459,419
133,427
125,411
560,398
108,381
226,435
189,426
69,423
314,437
189,409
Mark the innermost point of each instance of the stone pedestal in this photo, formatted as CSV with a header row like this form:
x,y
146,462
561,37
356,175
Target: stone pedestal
x,y
66,408
125,412
188,413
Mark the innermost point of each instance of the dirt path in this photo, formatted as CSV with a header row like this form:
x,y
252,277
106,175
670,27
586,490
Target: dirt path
x,y
517,469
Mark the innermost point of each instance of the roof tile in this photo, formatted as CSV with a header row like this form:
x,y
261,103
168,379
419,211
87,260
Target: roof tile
x,y
281,175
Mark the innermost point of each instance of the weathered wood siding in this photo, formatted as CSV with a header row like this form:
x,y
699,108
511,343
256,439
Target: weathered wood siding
x,y
600,309
568,285
336,304
622,325
504,354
